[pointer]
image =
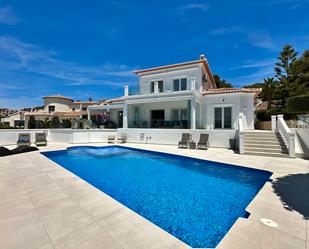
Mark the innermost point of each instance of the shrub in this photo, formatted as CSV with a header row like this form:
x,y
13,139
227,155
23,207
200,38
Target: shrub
x,y
298,104
31,122
66,123
55,123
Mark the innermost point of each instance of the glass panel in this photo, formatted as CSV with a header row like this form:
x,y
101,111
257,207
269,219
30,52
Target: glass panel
x,y
160,83
152,87
183,114
183,84
227,117
218,118
176,85
175,115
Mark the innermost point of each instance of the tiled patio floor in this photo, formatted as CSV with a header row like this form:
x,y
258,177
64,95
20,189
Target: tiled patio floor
x,y
44,206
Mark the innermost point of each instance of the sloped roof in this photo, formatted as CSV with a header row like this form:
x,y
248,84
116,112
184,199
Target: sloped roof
x,y
57,97
232,90
182,64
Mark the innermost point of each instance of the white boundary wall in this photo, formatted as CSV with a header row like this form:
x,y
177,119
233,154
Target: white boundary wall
x,y
10,136
217,138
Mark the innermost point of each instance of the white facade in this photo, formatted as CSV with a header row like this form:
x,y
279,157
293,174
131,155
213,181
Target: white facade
x,y
180,96
14,120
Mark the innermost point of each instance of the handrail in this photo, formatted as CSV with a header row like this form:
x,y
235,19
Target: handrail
x,y
287,135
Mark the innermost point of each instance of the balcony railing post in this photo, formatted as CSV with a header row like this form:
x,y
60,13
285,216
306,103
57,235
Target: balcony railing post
x,y
273,122
291,144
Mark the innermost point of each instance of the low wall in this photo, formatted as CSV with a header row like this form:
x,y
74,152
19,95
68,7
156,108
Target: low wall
x,y
217,138
10,136
303,137
80,136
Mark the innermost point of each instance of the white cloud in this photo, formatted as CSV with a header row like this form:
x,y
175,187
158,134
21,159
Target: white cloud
x,y
256,64
7,16
191,6
227,30
20,56
261,39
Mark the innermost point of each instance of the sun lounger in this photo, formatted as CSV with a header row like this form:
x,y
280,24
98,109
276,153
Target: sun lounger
x,y
111,139
122,138
204,142
40,139
23,139
184,140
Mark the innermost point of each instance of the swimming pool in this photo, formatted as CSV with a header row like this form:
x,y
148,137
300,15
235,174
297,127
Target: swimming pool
x,y
195,200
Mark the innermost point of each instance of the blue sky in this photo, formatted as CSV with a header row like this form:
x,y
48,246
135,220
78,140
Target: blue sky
x,y
89,48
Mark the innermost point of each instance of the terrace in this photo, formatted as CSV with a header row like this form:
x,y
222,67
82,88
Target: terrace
x,y
45,206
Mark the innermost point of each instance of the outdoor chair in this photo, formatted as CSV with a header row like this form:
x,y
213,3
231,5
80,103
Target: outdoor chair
x,y
121,138
23,139
183,143
40,139
204,142
111,139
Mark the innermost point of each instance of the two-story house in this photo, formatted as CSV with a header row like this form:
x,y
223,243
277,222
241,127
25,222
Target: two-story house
x,y
61,107
182,95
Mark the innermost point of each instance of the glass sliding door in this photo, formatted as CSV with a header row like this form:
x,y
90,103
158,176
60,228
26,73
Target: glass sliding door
x,y
223,117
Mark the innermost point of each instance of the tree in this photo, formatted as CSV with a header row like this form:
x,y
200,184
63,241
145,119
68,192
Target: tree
x,y
284,69
31,122
268,88
221,83
66,123
46,123
55,122
300,69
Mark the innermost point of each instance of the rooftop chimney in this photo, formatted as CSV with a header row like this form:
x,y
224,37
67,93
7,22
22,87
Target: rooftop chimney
x,y
202,57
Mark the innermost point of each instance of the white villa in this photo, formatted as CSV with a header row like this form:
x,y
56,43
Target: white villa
x,y
60,106
179,96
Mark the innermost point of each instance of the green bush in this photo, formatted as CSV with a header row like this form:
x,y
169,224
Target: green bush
x,y
66,123
298,104
55,122
32,122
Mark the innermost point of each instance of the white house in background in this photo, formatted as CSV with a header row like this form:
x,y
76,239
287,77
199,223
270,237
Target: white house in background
x,y
182,95
60,106
14,120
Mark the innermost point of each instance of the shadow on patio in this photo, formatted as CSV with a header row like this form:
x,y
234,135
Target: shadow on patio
x,y
293,191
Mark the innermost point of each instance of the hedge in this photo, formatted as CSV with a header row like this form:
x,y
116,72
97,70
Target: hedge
x,y
298,104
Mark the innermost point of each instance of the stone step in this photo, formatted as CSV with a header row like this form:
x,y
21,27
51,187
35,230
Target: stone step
x,y
268,143
265,140
268,150
270,146
254,153
262,136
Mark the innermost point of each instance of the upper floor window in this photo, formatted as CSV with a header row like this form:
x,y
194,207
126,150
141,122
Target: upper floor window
x,y
180,84
84,108
160,86
51,108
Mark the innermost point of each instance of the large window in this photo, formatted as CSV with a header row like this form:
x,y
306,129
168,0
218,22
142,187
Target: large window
x,y
180,84
51,108
223,117
179,114
160,86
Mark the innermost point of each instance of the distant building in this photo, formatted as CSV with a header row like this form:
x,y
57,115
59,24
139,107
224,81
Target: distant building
x,y
62,107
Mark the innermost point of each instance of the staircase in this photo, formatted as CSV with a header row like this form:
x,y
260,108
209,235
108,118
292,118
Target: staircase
x,y
264,143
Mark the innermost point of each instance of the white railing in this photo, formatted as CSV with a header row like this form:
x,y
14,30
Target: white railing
x,y
287,135
241,133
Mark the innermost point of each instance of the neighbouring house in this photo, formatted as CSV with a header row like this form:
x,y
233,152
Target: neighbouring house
x,y
14,120
180,96
61,107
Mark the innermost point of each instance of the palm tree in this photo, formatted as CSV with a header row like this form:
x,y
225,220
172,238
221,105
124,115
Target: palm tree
x,y
269,87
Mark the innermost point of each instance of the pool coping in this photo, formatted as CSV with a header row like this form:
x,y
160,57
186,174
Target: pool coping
x,y
234,235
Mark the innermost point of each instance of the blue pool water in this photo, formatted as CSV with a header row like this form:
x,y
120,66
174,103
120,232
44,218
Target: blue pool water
x,y
197,201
